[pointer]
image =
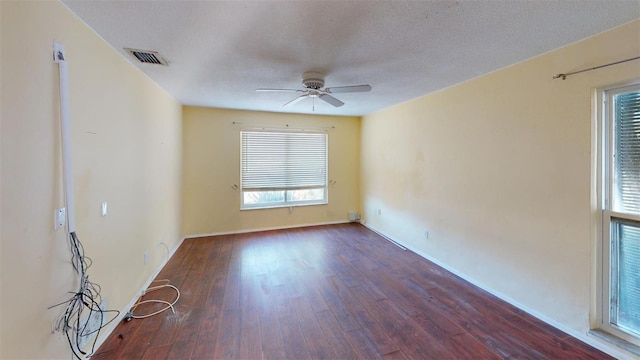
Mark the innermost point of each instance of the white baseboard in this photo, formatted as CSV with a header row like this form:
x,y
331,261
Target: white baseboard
x,y
266,229
585,337
104,334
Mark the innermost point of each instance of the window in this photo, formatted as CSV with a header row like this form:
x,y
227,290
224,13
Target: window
x,y
283,168
620,312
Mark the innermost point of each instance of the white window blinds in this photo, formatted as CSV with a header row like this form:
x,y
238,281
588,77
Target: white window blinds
x,y
283,160
627,152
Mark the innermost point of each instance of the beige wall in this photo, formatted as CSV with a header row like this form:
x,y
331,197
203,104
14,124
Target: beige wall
x,y
126,139
499,171
212,166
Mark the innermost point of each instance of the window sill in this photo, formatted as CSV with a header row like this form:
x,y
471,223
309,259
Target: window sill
x,y
612,339
279,206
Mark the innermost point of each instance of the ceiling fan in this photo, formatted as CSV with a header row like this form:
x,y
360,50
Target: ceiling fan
x,y
313,83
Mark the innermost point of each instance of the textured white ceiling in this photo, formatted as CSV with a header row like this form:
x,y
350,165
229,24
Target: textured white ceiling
x,y
221,51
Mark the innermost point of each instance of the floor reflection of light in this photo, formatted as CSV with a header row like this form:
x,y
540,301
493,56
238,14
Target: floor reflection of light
x,y
276,269
257,258
265,256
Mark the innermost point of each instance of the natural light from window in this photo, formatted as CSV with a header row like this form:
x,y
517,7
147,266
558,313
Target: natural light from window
x,y
620,290
283,168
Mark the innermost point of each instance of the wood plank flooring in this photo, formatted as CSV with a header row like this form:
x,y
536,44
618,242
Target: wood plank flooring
x,y
327,292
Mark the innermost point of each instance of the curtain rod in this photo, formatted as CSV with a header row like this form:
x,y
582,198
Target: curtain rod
x,y
564,76
282,126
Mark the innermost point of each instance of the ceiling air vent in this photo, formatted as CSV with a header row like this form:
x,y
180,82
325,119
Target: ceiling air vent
x,y
147,56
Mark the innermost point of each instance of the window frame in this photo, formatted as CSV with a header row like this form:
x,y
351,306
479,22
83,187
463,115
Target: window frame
x,y
607,216
285,203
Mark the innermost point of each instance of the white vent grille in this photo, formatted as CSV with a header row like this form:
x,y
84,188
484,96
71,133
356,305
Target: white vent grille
x,y
147,56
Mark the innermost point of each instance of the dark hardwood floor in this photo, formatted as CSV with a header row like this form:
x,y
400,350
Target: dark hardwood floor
x,y
327,292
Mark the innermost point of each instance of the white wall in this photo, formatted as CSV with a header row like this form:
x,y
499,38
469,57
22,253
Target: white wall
x,y
127,146
499,171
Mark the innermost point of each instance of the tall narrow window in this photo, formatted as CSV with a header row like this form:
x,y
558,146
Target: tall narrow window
x,y
283,168
621,213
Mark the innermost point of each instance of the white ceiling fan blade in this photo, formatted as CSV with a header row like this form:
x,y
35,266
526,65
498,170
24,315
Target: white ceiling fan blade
x,y
280,90
346,89
331,100
296,99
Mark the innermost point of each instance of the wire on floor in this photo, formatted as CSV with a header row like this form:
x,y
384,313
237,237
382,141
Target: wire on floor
x,y
169,305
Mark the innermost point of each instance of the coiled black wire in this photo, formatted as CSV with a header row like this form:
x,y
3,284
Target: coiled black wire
x,y
86,299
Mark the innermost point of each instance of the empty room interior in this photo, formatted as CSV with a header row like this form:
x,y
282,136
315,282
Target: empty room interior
x,y
320,179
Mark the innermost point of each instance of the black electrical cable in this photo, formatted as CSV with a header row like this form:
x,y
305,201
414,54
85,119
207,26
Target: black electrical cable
x,y
86,298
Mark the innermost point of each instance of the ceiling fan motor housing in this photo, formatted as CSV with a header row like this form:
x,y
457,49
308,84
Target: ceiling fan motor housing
x,y
313,80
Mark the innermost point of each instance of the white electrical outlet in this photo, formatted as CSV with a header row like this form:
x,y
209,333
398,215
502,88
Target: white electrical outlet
x,y
59,217
103,209
89,325
146,257
426,234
